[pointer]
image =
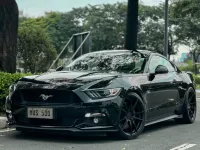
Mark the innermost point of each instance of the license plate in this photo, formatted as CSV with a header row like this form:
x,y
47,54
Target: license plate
x,y
40,113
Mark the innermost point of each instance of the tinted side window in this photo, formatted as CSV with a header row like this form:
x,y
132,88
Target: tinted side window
x,y
157,60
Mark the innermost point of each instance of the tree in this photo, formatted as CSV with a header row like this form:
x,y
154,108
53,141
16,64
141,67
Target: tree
x,y
151,33
22,17
60,27
106,22
186,15
8,35
35,48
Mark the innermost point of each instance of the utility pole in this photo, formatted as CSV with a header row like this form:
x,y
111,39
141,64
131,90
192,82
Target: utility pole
x,y
132,25
166,28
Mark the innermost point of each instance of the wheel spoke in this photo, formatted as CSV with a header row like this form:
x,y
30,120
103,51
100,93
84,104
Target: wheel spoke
x,y
131,126
131,105
191,113
122,119
137,118
135,104
192,107
137,113
124,111
125,125
190,98
126,107
134,126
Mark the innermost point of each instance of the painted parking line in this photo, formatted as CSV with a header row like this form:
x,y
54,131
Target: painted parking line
x,y
6,130
183,147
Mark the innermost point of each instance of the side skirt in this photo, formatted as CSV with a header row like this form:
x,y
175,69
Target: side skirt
x,y
161,120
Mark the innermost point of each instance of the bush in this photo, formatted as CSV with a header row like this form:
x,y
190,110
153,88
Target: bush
x,y
197,79
189,67
6,79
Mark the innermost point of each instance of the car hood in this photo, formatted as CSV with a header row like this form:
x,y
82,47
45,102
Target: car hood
x,y
68,76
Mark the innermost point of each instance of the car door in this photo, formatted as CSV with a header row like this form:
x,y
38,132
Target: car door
x,y
162,91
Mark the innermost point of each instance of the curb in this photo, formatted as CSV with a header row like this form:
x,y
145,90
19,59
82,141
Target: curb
x,y
3,122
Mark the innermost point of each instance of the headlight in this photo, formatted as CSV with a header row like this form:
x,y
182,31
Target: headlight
x,y
11,90
8,104
102,93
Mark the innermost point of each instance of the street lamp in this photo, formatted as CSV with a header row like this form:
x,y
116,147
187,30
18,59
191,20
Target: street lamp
x,y
166,28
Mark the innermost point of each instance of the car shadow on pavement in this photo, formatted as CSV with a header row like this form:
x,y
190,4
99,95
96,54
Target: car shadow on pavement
x,y
88,139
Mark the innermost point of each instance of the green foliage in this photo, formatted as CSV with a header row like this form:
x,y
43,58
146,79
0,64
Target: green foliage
x,y
60,27
107,23
6,79
189,67
197,80
186,16
35,47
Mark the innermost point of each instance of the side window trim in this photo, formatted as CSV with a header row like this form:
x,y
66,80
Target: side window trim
x,y
147,67
154,55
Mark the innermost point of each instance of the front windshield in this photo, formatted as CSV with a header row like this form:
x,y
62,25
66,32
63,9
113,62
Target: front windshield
x,y
108,62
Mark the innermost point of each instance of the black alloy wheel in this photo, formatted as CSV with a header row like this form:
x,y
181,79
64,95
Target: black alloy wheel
x,y
191,106
132,117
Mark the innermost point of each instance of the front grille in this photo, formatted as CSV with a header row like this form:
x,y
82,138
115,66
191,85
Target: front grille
x,y
49,96
68,122
16,99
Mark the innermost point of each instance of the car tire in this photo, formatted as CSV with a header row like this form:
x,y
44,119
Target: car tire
x,y
132,117
189,108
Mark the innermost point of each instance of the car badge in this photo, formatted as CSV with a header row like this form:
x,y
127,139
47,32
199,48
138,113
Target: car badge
x,y
45,97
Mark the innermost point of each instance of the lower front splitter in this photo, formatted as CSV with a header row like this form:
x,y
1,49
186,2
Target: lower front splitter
x,y
62,130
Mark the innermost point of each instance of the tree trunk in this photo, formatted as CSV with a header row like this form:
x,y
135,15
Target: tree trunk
x,y
8,35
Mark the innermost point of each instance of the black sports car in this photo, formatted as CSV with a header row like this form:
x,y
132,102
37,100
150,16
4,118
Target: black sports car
x,y
115,91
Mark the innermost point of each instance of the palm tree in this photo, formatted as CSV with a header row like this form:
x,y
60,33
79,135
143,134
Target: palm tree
x,y
8,35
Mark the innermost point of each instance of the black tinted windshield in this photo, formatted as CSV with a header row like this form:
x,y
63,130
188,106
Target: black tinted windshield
x,y
108,62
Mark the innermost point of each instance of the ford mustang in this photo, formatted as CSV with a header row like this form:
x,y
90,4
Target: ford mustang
x,y
112,92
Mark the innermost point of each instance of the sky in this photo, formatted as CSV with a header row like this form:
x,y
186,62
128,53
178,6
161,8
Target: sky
x,y
38,7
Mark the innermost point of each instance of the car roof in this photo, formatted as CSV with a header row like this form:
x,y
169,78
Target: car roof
x,y
144,52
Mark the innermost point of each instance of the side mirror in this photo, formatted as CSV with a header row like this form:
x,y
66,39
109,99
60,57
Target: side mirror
x,y
161,70
59,68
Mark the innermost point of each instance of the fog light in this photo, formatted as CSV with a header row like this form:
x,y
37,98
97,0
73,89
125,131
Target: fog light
x,y
10,116
96,120
90,115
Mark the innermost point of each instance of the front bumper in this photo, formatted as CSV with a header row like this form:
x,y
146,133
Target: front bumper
x,y
70,119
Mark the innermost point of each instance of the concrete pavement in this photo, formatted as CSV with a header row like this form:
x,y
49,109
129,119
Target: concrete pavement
x,y
3,122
